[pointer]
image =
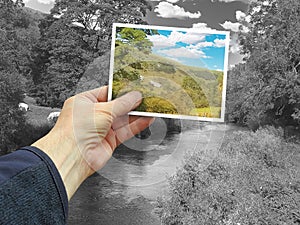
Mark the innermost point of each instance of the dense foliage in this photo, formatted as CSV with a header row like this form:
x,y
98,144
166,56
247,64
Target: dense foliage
x,y
12,119
136,38
194,90
254,179
72,36
49,54
268,83
18,31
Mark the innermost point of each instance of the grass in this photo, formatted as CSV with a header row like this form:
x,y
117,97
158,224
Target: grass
x,y
37,124
176,77
37,115
207,112
173,83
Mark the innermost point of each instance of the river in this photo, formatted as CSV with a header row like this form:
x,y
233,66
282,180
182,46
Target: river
x,y
124,192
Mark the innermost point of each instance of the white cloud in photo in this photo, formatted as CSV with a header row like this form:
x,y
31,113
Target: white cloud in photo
x,y
184,45
204,44
183,52
228,25
168,10
188,38
202,27
219,43
161,41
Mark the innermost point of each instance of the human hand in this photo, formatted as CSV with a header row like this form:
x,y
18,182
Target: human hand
x,y
87,132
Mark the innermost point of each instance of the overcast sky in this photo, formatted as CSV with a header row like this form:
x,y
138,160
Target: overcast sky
x,y
204,14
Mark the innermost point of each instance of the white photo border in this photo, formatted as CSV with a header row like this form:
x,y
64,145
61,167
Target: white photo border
x,y
194,30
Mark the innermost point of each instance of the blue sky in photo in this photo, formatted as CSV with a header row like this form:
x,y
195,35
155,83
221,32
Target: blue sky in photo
x,y
191,50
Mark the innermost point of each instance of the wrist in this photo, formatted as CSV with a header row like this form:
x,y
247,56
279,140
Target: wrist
x,y
67,158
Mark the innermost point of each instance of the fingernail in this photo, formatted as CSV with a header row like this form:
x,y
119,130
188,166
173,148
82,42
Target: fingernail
x,y
137,97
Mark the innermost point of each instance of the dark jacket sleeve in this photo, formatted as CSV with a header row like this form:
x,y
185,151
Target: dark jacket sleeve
x,y
31,189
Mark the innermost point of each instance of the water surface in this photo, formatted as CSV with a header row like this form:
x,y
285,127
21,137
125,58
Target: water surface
x,y
125,190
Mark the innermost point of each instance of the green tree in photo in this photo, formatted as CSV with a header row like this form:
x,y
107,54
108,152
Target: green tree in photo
x,y
194,90
131,46
117,87
127,75
157,105
125,55
136,38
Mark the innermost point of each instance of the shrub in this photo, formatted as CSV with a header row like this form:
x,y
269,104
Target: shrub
x,y
11,118
25,135
158,105
31,133
254,179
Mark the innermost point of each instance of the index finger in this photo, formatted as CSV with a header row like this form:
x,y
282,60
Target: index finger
x,y
121,105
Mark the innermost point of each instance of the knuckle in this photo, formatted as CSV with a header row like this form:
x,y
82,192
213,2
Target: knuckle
x,y
69,100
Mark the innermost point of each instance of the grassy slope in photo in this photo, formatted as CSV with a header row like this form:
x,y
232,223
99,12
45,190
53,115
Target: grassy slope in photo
x,y
168,86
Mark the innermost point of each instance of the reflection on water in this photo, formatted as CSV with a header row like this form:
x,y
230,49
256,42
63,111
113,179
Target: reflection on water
x,y
125,190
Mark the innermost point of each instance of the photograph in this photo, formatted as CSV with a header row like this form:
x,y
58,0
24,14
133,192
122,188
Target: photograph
x,y
180,72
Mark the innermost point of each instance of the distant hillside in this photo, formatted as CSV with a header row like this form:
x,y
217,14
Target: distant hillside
x,y
167,85
35,14
192,70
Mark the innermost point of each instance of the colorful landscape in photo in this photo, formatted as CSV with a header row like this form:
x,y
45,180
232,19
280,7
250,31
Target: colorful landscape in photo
x,y
178,72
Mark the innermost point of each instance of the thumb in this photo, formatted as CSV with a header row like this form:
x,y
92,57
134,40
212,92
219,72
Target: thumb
x,y
124,104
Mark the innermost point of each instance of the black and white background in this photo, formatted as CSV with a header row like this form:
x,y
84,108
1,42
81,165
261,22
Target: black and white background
x,y
243,171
